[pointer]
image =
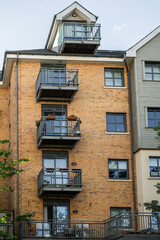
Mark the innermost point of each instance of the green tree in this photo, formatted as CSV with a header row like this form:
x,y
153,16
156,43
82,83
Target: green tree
x,y
8,168
157,130
154,204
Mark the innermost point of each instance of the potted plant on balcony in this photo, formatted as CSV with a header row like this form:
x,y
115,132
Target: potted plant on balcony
x,y
37,123
73,118
50,117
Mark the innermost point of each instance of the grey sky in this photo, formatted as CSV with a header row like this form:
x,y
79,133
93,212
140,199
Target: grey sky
x,y
25,24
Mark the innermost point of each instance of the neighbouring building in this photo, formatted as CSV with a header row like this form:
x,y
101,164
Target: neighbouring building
x,y
144,60
70,105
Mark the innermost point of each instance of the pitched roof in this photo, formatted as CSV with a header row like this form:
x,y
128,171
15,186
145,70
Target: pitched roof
x,y
131,52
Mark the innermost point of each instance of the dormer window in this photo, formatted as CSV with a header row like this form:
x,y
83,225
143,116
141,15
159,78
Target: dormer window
x,y
74,30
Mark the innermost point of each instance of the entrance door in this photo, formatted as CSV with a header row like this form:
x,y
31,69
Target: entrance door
x,y
59,126
56,168
57,214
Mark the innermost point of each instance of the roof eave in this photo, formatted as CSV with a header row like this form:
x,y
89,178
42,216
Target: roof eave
x,y
131,52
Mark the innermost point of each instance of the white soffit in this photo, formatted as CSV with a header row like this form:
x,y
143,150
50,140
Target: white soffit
x,y
131,52
82,11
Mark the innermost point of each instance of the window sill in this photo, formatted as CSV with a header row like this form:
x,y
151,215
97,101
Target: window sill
x,y
115,87
154,178
117,133
150,80
119,180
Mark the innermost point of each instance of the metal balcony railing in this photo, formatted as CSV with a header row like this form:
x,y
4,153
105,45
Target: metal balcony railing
x,y
63,229
58,127
66,78
79,31
60,177
133,223
113,228
8,228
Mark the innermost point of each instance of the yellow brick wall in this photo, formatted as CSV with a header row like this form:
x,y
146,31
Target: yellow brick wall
x,y
91,154
4,134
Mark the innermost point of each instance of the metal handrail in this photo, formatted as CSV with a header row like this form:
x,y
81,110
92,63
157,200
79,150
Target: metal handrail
x,y
56,77
60,177
68,229
63,229
7,227
133,222
81,30
58,127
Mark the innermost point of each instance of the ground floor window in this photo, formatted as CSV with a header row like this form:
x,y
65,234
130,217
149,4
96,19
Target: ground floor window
x,y
122,216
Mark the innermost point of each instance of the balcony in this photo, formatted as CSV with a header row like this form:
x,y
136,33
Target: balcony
x,y
59,182
125,226
63,230
58,133
79,38
56,84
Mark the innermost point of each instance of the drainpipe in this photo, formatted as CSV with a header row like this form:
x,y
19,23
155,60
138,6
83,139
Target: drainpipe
x,y
17,141
131,134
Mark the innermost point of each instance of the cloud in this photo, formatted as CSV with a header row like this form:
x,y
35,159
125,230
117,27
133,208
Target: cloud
x,y
120,27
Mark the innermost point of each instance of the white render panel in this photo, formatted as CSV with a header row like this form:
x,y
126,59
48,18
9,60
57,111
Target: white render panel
x,y
145,184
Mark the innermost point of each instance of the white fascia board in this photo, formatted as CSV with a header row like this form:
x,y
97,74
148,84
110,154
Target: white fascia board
x,y
131,52
66,58
62,15
52,35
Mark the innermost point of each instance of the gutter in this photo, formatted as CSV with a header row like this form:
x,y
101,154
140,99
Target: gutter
x,y
17,139
131,133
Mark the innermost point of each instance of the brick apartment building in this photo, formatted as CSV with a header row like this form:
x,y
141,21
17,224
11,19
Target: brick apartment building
x,y
82,170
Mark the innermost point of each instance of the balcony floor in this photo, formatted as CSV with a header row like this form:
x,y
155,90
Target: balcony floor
x,y
48,191
66,142
56,93
79,47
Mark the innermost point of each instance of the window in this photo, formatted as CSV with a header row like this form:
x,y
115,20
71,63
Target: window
x,y
152,71
59,125
78,31
153,117
114,77
53,163
154,166
118,169
125,220
116,122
